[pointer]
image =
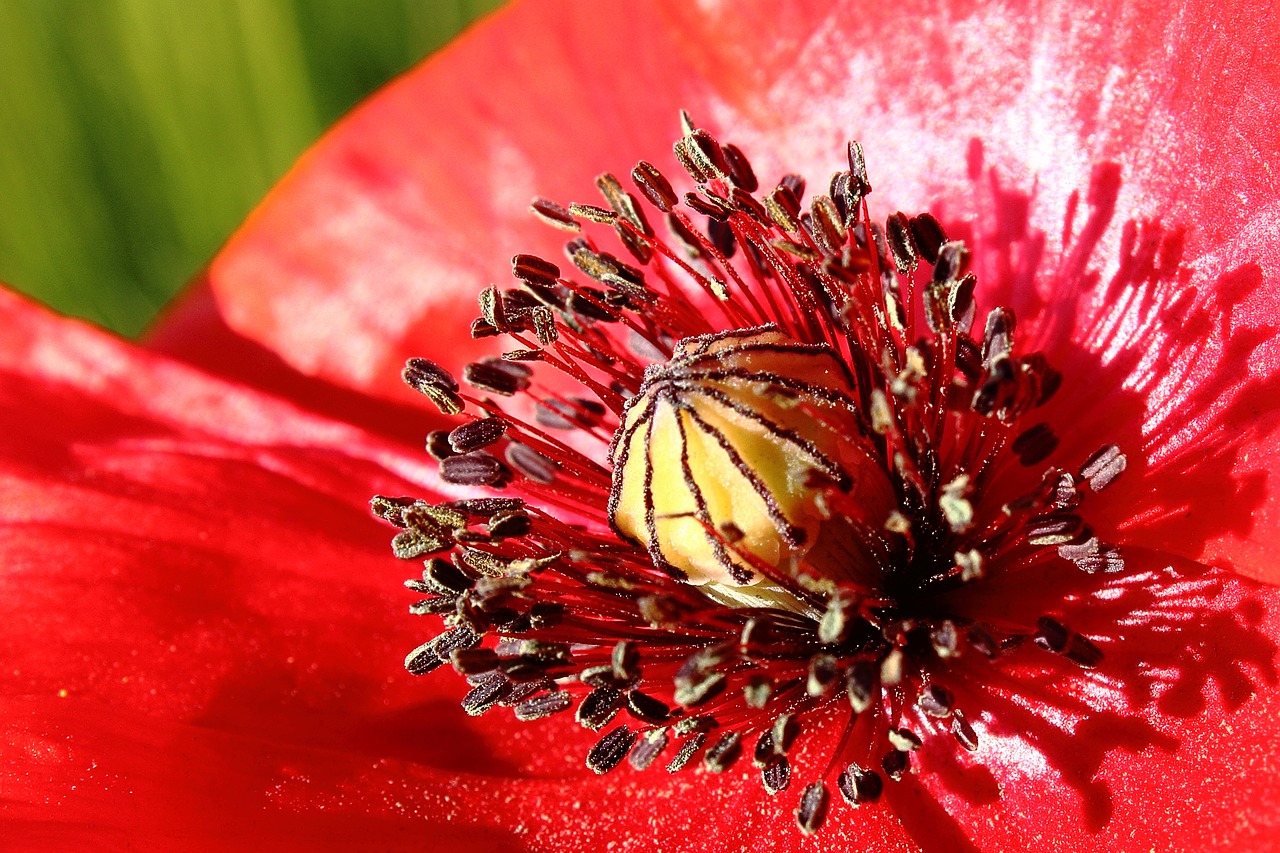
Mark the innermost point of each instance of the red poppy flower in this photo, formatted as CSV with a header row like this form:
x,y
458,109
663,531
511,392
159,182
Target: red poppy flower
x,y
199,622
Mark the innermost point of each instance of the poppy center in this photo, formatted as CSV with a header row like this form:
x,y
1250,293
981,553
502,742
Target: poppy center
x,y
773,449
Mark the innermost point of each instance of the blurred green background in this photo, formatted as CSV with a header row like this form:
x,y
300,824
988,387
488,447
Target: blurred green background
x,y
136,134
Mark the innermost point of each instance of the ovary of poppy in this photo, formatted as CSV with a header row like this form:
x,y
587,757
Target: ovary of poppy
x,y
680,451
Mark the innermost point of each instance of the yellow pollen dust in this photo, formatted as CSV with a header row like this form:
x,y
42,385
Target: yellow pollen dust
x,y
724,457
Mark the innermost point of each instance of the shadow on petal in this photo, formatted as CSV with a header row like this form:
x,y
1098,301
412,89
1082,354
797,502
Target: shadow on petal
x,y
1186,647
194,328
98,774
1166,358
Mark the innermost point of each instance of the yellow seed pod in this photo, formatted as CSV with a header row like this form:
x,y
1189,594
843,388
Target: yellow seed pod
x,y
717,453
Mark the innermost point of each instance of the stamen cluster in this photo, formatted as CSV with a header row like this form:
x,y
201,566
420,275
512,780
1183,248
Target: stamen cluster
x,y
843,634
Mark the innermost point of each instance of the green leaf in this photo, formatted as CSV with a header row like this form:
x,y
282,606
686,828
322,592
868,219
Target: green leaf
x,y
136,134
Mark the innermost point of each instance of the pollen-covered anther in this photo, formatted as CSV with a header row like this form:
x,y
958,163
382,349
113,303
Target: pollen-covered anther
x,y
648,748
858,785
904,740
970,564
1101,468
435,383
936,701
955,505
611,749
812,812
895,764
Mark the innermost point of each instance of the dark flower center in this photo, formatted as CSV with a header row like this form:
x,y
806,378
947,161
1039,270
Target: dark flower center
x,y
758,509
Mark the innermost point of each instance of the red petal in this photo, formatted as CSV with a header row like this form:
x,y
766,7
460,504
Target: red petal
x,y
194,331
189,568
1169,744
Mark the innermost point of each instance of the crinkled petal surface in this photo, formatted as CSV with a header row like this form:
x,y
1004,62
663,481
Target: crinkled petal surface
x,y
201,631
